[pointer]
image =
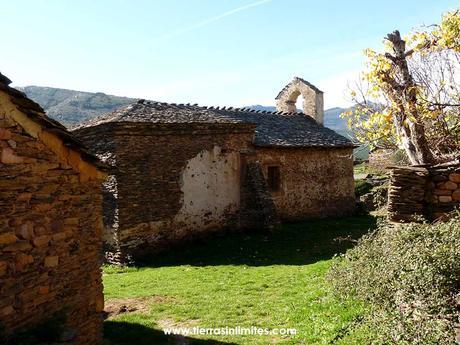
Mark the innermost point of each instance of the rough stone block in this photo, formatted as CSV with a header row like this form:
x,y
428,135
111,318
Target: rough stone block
x,y
44,290
456,195
51,261
444,198
26,230
23,260
455,177
41,241
449,185
24,197
9,157
71,221
8,238
59,236
7,310
445,192
56,225
40,230
100,304
18,246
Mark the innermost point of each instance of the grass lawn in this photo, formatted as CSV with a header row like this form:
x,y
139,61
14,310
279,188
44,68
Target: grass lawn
x,y
258,279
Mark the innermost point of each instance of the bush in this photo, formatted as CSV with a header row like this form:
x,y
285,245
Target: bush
x,y
409,275
362,187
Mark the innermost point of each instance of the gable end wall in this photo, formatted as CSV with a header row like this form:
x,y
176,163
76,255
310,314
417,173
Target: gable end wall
x,y
50,239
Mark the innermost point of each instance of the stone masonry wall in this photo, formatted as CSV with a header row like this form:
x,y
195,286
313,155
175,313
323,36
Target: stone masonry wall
x,y
430,192
50,240
103,145
173,181
315,182
258,211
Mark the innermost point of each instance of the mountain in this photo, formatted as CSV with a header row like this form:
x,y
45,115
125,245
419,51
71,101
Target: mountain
x,y
262,107
333,121
72,107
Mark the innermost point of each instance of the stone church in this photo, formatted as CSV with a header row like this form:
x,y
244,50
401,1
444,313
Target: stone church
x,y
181,170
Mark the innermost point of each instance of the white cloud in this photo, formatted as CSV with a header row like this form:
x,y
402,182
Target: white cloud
x,y
208,21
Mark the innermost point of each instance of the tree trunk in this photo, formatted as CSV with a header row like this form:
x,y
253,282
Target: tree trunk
x,y
408,123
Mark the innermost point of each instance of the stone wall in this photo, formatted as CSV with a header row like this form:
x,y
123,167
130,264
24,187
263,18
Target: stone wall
x,y
172,181
430,192
50,240
258,211
315,182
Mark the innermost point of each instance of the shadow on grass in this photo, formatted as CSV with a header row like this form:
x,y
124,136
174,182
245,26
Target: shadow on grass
x,y
293,244
123,333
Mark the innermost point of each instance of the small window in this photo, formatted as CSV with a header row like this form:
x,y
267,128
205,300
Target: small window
x,y
273,178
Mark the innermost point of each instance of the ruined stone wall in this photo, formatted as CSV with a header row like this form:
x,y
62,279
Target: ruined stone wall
x,y
315,182
174,181
50,240
430,192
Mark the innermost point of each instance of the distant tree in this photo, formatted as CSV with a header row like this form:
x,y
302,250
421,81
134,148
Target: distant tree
x,y
409,95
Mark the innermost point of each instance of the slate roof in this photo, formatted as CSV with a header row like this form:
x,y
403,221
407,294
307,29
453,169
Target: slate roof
x,y
36,113
272,128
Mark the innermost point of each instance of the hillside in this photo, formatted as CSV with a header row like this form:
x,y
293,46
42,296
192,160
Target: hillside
x,y
72,107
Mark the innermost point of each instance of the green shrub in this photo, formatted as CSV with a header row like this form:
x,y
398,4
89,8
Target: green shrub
x,y
362,187
409,275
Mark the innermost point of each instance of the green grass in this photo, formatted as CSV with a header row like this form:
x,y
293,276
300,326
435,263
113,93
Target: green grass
x,y
265,280
365,168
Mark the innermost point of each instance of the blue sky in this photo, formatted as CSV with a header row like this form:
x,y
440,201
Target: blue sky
x,y
211,52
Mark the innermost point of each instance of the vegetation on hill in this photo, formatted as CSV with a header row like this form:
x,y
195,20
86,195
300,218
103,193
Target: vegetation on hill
x,y
72,107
